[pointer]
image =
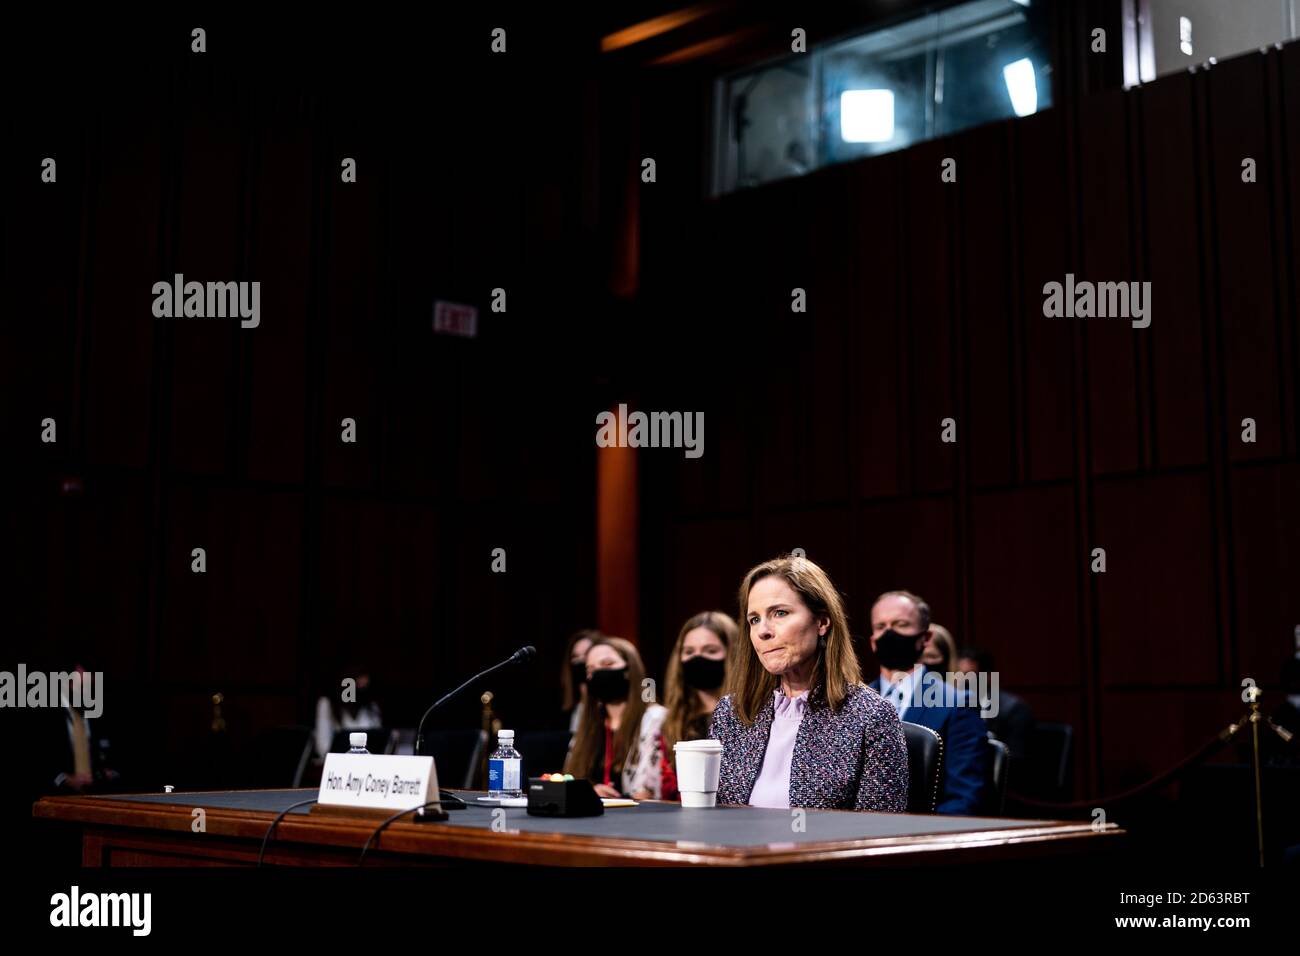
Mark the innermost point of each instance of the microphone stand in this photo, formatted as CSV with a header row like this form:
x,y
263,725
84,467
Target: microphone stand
x,y
1254,718
523,654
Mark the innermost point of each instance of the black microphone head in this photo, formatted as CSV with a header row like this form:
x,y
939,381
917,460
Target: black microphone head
x,y
525,654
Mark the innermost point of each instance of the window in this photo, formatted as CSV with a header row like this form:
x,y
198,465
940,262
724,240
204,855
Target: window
x,y
1165,36
772,114
884,90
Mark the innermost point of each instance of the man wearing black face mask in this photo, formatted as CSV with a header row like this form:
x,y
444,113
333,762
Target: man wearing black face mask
x,y
900,626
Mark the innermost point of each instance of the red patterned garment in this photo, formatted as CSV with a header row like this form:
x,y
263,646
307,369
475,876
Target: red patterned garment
x,y
667,775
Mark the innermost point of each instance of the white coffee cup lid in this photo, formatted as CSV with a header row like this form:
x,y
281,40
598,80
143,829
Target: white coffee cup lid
x,y
708,745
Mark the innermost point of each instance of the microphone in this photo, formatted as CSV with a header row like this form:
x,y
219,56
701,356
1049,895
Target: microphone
x,y
518,657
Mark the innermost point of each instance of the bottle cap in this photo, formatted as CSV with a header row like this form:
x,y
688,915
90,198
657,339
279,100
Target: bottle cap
x,y
505,735
357,739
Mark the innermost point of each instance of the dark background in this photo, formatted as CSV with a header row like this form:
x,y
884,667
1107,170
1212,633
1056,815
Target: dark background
x,y
821,430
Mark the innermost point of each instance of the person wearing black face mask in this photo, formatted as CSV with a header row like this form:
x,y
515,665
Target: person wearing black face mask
x,y
619,744
609,685
900,626
573,678
704,674
697,669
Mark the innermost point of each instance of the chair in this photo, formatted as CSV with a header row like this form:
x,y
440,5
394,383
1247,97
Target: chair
x,y
1047,761
924,767
456,754
995,782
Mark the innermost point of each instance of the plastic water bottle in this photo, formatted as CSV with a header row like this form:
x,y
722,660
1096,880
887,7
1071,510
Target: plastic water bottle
x,y
358,742
504,767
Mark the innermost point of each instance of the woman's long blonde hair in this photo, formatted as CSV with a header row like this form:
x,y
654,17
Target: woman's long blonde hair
x,y
591,730
942,639
750,685
683,702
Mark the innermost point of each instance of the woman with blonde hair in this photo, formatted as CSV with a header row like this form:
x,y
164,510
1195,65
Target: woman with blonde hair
x,y
939,653
697,669
619,744
798,726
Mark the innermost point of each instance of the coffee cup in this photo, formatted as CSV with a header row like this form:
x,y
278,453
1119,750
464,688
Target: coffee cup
x,y
699,763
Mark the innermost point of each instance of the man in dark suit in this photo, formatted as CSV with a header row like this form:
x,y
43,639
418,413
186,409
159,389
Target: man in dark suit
x,y
69,748
60,749
900,625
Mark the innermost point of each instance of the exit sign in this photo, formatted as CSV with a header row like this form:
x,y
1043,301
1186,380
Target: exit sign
x,y
451,318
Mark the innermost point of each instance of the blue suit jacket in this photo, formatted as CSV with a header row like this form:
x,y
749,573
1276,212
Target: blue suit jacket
x,y
965,744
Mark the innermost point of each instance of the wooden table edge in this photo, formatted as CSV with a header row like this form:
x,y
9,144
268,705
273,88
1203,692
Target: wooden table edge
x,y
483,843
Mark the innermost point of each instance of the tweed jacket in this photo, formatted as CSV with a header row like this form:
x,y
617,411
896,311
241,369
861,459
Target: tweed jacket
x,y
852,760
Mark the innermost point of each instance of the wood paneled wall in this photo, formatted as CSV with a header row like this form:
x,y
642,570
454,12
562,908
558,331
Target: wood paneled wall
x,y
925,302
198,433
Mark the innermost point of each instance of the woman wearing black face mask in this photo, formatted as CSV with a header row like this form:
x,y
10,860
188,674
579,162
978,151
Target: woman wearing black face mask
x,y
697,670
618,746
573,678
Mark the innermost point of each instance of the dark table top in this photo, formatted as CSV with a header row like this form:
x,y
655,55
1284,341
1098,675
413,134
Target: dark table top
x,y
651,820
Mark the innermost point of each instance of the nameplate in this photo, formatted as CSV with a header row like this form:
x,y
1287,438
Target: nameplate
x,y
378,781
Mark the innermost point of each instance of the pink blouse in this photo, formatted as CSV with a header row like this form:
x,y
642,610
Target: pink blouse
x,y
772,788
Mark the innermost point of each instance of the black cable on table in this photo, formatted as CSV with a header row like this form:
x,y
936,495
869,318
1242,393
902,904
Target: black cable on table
x,y
396,816
271,828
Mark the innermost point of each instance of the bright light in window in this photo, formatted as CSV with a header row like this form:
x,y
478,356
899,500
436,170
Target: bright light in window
x,y
1185,35
867,116
1022,86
